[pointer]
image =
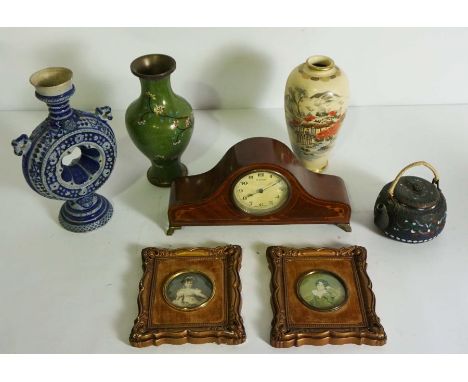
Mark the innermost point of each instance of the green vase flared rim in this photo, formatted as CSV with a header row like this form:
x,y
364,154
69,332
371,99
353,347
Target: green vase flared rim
x,y
153,66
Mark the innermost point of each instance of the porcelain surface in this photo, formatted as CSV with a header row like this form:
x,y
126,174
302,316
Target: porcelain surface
x,y
68,157
315,102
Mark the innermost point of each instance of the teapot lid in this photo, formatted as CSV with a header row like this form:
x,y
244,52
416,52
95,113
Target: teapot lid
x,y
416,192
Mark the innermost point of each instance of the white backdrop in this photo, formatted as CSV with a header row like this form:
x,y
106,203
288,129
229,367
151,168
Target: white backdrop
x,y
64,292
239,67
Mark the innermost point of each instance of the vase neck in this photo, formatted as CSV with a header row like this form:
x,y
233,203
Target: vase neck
x,y
59,105
159,87
319,66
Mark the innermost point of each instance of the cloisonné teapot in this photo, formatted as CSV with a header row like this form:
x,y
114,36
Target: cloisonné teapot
x,y
411,209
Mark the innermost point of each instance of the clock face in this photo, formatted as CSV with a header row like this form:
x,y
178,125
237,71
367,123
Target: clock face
x,y
260,192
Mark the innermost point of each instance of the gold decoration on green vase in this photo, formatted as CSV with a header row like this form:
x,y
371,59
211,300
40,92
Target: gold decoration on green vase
x,y
159,121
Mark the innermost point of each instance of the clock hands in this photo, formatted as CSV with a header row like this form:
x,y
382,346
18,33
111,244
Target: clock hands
x,y
261,190
254,193
271,185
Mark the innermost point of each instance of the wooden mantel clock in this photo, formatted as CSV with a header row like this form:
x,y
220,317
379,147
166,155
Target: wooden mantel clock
x,y
258,181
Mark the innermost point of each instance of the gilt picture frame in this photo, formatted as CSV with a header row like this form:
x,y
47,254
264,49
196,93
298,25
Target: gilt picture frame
x,y
322,296
189,295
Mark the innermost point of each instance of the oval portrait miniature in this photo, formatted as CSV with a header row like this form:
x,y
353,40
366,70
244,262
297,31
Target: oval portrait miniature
x,y
188,290
321,290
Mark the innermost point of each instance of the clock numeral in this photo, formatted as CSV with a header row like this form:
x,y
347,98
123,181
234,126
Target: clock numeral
x,y
261,174
244,183
244,198
240,189
271,175
277,197
251,177
260,204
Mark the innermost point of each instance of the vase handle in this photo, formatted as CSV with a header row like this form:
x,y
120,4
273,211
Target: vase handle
x,y
21,145
435,181
104,113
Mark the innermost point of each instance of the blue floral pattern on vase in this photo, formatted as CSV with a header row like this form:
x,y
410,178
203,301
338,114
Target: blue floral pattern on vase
x,y
47,171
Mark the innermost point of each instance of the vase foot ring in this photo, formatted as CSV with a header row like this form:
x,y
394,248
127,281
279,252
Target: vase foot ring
x,y
319,170
165,182
75,218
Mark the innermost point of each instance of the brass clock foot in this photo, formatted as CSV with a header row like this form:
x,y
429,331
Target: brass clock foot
x,y
344,227
171,230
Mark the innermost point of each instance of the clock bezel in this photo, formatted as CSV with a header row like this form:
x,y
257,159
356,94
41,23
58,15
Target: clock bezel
x,y
262,213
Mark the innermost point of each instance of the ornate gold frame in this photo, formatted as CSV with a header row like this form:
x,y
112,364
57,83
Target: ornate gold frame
x,y
355,322
159,323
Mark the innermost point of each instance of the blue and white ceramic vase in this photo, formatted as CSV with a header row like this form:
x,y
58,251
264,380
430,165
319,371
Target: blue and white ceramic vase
x,y
70,154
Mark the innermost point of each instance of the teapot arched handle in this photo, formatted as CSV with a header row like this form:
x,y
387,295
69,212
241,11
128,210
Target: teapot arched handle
x,y
435,181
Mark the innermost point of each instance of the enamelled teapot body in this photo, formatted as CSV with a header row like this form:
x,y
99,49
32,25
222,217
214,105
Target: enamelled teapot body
x,y
411,209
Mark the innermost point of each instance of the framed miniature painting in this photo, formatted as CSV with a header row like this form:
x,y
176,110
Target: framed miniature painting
x,y
322,296
188,290
189,295
321,290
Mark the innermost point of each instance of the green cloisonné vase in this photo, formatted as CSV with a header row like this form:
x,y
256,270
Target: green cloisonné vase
x,y
159,122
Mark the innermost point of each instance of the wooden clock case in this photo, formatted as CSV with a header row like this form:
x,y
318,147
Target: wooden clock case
x,y
206,199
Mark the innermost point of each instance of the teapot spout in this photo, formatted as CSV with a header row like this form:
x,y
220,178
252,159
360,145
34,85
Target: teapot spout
x,y
381,218
21,145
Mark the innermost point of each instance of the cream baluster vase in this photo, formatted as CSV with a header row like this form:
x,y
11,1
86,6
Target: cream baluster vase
x,y
315,103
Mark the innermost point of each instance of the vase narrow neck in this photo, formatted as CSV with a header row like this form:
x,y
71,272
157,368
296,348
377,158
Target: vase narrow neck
x,y
59,105
161,86
60,111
